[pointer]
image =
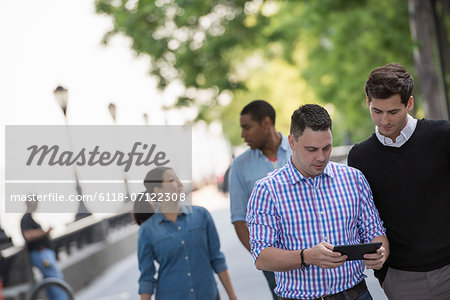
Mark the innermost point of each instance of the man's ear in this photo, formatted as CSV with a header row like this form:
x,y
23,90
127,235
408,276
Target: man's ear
x,y
367,102
266,122
410,104
291,141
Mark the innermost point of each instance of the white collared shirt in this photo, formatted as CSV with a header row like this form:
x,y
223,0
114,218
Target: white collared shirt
x,y
404,136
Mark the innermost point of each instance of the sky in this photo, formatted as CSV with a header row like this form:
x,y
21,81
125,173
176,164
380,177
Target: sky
x,y
50,43
44,44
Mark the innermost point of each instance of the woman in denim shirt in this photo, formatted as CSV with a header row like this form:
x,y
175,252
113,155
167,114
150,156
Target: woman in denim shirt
x,y
182,240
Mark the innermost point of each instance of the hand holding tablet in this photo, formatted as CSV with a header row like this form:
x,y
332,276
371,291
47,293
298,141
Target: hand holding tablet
x,y
356,252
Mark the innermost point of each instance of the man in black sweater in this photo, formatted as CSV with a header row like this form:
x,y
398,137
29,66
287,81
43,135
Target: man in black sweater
x,y
407,164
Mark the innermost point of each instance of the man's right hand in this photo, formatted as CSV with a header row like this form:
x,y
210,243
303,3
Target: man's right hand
x,y
49,230
322,255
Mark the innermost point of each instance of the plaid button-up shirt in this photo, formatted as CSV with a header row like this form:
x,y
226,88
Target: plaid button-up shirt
x,y
292,212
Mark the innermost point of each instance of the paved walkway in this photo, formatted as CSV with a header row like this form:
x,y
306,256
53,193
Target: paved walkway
x,y
120,281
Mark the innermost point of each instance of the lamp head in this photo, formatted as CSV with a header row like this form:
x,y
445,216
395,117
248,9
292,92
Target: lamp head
x,y
61,95
112,111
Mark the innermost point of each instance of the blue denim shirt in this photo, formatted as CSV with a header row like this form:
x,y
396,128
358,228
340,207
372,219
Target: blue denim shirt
x,y
188,252
248,168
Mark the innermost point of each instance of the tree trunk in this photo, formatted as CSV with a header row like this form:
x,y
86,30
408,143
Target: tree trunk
x,y
441,12
430,80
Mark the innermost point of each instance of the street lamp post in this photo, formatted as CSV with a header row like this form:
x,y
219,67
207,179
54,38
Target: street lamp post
x,y
112,110
61,95
145,118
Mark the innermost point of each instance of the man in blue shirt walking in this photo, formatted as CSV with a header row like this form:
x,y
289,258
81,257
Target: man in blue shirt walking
x,y
269,150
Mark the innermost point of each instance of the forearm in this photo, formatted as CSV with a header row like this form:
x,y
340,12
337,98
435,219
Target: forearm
x,y
376,260
146,296
34,234
226,282
243,234
383,239
278,260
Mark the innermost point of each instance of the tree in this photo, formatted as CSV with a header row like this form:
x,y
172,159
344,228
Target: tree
x,y
195,42
441,16
431,80
348,39
288,52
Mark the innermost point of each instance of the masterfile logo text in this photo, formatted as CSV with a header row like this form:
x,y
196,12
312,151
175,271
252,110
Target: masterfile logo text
x,y
97,164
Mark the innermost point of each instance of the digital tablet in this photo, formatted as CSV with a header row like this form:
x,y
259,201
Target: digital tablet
x,y
356,252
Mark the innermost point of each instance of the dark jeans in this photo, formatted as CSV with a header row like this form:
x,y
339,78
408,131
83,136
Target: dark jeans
x,y
270,277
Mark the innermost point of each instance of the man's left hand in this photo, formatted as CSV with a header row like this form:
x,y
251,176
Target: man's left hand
x,y
375,260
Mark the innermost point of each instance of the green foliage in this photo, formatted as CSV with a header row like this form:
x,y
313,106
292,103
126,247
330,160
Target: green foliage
x,y
290,92
187,40
347,42
286,52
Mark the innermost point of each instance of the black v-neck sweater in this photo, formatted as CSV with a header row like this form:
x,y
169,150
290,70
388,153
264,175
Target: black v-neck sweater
x,y
411,189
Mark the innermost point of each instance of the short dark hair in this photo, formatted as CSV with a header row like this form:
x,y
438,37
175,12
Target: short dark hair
x,y
258,110
389,80
309,115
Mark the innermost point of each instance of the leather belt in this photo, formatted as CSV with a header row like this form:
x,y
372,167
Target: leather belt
x,y
352,293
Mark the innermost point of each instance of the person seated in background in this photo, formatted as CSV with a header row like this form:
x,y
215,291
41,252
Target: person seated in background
x,y
38,245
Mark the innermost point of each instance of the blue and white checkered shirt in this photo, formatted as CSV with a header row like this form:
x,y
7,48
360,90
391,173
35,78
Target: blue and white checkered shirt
x,y
292,212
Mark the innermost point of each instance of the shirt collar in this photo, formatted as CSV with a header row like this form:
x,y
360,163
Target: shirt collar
x,y
296,176
159,217
329,170
404,136
283,145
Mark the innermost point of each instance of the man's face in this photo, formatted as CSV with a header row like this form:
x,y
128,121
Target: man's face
x,y
31,206
390,115
253,132
311,152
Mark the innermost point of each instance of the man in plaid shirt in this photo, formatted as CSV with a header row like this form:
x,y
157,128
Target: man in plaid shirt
x,y
299,212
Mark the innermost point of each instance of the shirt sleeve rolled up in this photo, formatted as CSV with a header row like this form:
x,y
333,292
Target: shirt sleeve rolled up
x,y
217,258
261,220
238,193
147,282
370,224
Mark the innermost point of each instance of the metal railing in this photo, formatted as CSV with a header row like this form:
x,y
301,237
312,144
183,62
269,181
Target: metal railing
x,y
90,230
15,265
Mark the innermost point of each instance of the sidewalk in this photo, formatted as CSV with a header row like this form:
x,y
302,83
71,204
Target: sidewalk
x,y
120,281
